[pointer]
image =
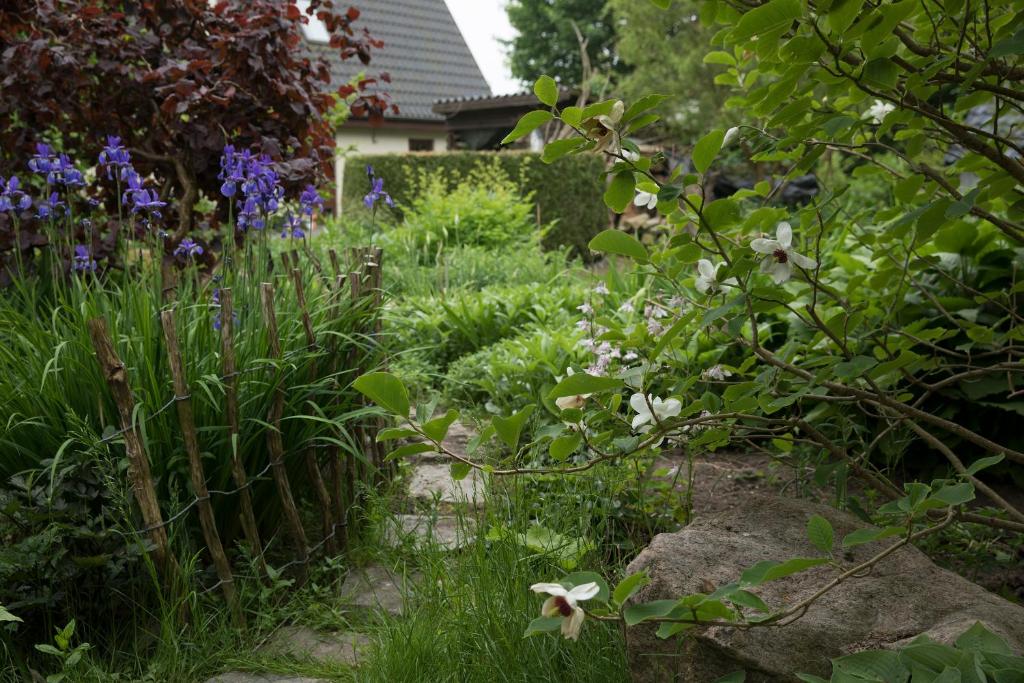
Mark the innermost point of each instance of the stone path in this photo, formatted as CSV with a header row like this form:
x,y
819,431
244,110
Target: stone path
x,y
435,496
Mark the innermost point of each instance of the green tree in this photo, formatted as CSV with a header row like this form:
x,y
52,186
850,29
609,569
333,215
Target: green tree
x,y
663,51
547,42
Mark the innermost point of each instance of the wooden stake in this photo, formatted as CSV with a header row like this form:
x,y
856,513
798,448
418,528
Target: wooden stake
x,y
335,266
138,463
188,429
275,444
246,513
336,464
355,472
312,466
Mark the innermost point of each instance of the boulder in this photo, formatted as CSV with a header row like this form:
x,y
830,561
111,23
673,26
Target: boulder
x,y
906,595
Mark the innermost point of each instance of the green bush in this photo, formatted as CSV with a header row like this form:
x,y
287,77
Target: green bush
x,y
574,221
442,329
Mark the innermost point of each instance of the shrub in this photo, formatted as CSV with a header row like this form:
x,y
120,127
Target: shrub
x,y
441,329
568,197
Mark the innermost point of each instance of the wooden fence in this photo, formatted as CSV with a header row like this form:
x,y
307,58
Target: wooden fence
x,y
336,495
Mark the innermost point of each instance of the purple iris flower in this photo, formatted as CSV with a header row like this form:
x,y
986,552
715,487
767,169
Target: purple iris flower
x,y
115,158
310,200
43,162
292,227
11,196
49,208
376,194
83,261
58,168
142,200
188,248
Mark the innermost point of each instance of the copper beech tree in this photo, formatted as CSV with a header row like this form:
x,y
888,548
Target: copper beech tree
x,y
176,81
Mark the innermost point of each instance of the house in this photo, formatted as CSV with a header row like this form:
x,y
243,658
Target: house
x,y
428,60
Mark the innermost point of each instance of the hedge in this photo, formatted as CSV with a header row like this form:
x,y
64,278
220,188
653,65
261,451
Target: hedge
x,y
567,193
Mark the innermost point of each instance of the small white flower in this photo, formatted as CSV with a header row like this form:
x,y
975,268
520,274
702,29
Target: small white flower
x,y
601,288
626,307
574,401
878,111
730,135
585,309
563,603
645,200
630,155
651,409
707,278
629,356
716,372
781,258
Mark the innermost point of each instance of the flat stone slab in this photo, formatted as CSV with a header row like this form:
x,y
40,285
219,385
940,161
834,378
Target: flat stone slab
x,y
248,677
443,530
376,587
432,480
303,642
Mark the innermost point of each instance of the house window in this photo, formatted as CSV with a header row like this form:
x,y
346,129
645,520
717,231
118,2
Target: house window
x,y
421,144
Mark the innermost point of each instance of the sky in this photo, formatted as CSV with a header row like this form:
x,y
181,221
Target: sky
x,y
483,23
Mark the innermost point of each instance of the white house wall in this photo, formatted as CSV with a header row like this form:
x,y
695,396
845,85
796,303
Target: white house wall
x,y
377,141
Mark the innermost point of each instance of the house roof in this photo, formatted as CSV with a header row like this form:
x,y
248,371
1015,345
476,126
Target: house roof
x,y
523,98
424,52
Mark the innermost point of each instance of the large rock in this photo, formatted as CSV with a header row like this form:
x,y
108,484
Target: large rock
x,y
906,595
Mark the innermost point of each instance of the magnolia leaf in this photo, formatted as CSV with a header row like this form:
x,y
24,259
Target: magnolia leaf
x,y
583,383
437,428
620,191
542,625
613,241
770,570
527,124
509,428
563,446
635,614
409,449
546,90
819,531
392,433
629,586
385,390
862,536
706,149
459,470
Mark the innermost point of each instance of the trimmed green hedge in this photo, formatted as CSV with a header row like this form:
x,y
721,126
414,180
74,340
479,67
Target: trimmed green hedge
x,y
568,192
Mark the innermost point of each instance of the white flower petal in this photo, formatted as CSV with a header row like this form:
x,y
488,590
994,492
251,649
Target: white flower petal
x,y
802,260
550,608
584,592
670,408
572,624
765,246
556,589
781,271
705,268
784,234
703,285
639,420
638,403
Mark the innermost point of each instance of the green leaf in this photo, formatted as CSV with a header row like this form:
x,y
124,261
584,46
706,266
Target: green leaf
x,y
855,367
979,639
459,470
509,428
392,433
385,390
542,625
562,447
776,15
613,241
770,570
437,428
819,531
527,124
7,616
629,586
583,383
957,494
546,90
748,599
842,13
635,614
553,151
869,534
982,463
619,193
409,449
641,105
707,148
572,116
882,73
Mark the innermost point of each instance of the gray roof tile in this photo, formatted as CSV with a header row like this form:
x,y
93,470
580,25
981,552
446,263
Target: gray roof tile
x,y
424,53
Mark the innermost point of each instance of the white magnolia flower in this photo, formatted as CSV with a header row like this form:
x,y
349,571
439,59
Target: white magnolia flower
x,y
730,135
605,129
716,372
563,603
630,155
571,402
781,255
878,111
651,409
707,278
645,200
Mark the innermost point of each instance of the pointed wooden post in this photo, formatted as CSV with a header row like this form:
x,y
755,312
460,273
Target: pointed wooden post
x,y
275,444
312,466
335,463
195,465
246,512
138,463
